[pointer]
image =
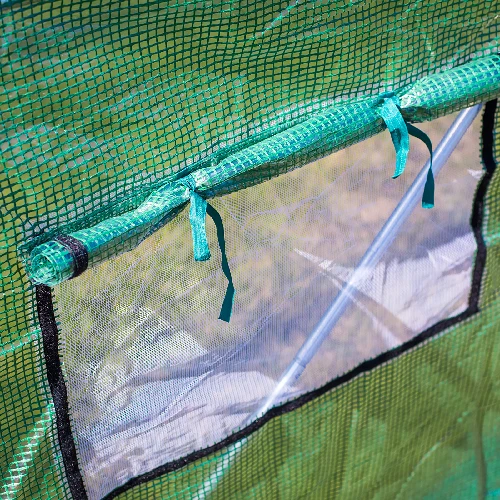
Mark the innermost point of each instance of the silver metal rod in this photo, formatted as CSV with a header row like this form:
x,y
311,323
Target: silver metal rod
x,y
363,271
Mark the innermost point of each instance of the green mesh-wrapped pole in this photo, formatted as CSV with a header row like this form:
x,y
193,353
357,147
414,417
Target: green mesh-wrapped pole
x,y
335,127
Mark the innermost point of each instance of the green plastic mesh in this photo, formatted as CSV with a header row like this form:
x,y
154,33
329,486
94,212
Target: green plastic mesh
x,y
105,106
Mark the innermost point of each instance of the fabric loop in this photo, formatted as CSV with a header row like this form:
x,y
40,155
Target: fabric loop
x,y
77,251
400,133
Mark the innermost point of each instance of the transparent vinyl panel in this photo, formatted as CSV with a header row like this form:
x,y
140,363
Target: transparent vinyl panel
x,y
153,375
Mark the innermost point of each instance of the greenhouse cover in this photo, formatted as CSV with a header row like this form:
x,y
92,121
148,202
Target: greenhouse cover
x,y
149,351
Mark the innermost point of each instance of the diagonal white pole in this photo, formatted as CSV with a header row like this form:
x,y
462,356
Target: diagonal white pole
x,y
363,271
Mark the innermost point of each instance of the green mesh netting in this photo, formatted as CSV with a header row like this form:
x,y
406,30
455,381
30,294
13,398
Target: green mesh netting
x,y
106,109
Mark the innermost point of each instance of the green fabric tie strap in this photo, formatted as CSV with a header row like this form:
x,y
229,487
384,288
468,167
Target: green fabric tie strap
x,y
390,113
400,133
428,196
197,217
227,304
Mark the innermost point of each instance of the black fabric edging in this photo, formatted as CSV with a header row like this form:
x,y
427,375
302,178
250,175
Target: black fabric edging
x,y
477,216
77,251
50,337
58,388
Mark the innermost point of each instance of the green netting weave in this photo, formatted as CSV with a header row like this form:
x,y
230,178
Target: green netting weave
x,y
106,106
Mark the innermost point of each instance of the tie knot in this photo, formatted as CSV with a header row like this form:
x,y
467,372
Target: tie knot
x,y
189,182
388,96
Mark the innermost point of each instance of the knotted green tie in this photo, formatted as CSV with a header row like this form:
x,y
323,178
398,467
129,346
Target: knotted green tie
x,y
197,216
400,131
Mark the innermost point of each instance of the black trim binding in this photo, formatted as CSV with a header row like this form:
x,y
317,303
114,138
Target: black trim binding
x,y
489,163
56,382
77,250
50,336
